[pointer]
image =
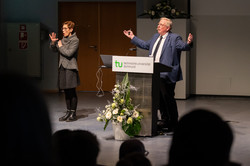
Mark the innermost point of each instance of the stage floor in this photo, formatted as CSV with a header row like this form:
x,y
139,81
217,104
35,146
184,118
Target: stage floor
x,y
235,110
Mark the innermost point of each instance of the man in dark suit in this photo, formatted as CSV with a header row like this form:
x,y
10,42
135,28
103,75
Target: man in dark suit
x,y
166,48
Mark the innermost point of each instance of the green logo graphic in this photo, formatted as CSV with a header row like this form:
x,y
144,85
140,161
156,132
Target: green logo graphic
x,y
118,64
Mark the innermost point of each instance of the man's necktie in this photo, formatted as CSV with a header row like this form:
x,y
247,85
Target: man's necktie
x,y
157,47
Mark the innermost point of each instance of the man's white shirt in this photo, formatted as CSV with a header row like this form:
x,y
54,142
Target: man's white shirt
x,y
158,54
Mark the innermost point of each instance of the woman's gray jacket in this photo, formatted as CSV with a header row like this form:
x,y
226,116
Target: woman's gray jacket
x,y
68,51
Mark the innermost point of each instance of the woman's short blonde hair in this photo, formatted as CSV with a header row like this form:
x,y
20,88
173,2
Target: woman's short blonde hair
x,y
70,24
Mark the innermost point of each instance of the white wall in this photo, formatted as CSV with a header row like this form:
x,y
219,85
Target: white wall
x,y
220,57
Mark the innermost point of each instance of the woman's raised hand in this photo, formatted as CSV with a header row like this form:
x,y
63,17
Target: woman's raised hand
x,y
53,37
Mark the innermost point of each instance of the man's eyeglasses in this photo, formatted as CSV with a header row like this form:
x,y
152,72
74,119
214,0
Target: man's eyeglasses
x,y
161,25
146,153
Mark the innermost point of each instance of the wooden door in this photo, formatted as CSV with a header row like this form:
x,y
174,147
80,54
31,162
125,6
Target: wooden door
x,y
99,27
115,17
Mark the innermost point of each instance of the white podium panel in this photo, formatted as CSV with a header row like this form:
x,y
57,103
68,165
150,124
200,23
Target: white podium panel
x,y
132,64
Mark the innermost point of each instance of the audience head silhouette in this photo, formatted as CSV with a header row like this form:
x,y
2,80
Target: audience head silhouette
x,y
75,147
134,159
201,138
131,145
28,129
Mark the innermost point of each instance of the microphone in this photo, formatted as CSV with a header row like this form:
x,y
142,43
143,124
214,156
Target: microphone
x,y
131,49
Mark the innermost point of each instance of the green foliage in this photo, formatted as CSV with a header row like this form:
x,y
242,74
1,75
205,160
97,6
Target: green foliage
x,y
132,129
165,8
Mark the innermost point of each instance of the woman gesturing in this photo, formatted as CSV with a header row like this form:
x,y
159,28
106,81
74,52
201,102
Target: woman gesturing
x,y
68,69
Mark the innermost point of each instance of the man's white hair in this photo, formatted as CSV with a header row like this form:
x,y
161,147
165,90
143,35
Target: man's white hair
x,y
168,22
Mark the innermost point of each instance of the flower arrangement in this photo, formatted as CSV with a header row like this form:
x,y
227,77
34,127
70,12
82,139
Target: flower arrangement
x,y
121,110
165,9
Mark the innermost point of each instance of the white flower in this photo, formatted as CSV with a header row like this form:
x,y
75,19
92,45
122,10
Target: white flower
x,y
127,112
130,120
113,105
119,118
115,111
108,115
135,114
153,13
122,101
99,119
107,110
116,95
158,5
173,11
116,90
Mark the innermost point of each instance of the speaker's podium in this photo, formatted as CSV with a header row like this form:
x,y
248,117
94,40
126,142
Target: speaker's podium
x,y
144,75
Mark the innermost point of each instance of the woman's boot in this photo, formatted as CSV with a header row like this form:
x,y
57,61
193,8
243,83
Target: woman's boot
x,y
66,116
72,116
